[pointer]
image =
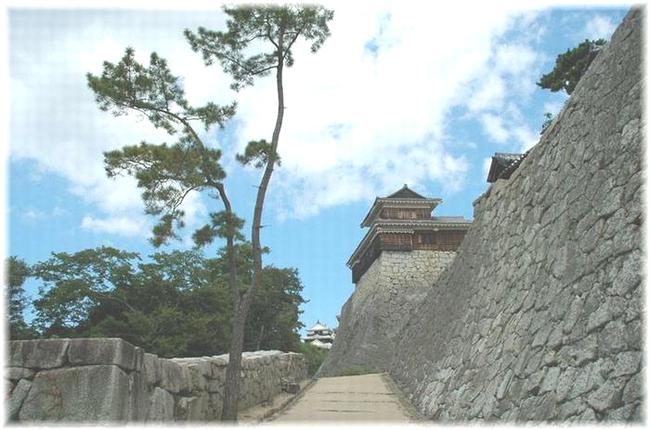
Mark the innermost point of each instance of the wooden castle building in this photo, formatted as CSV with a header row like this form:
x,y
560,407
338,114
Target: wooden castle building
x,y
403,222
320,335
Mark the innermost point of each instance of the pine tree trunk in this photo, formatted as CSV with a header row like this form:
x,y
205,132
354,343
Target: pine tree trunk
x,y
231,391
239,319
231,394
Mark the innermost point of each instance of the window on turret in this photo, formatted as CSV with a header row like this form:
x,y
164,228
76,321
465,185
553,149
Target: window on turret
x,y
427,238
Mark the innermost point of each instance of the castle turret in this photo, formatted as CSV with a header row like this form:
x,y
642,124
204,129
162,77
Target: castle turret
x,y
402,222
396,265
320,335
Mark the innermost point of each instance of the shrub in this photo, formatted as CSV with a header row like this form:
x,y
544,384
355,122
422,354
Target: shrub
x,y
314,356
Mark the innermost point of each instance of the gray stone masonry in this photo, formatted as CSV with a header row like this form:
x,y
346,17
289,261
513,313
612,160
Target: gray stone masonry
x,y
374,315
539,317
110,380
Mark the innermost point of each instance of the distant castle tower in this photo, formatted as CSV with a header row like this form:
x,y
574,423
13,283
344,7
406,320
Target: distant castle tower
x,y
320,335
405,244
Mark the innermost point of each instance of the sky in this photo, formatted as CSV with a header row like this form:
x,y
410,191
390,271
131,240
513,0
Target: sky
x,y
397,95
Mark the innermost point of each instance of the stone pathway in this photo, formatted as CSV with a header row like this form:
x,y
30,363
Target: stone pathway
x,y
349,398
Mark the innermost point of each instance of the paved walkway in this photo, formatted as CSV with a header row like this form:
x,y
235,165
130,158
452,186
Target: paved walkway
x,y
349,398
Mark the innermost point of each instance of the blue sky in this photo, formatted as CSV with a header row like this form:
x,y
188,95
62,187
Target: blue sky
x,y
396,95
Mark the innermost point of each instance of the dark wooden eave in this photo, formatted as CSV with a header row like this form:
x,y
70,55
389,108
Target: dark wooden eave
x,y
503,164
402,197
395,226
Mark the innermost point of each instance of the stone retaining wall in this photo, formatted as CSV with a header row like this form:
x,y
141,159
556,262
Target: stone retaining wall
x,y
539,317
374,315
92,380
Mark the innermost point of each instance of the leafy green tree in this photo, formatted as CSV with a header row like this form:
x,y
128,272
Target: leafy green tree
x,y
548,119
259,40
167,174
176,304
314,357
570,66
170,306
76,284
274,315
17,271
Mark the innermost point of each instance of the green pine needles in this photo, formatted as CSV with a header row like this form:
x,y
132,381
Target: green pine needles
x,y
570,66
258,41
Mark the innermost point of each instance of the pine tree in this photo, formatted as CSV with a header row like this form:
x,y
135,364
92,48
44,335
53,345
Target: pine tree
x,y
168,173
570,66
277,28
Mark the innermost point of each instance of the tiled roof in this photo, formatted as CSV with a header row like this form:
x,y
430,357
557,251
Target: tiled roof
x,y
405,193
319,326
503,164
450,219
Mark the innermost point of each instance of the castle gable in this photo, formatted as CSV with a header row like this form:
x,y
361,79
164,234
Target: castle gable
x,y
402,222
405,193
402,204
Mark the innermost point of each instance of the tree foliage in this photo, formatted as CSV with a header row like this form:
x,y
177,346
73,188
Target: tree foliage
x,y
278,27
176,304
16,272
154,92
257,153
314,357
570,66
83,281
165,173
548,120
273,312
258,40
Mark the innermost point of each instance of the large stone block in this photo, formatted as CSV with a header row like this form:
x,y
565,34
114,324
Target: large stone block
x,y
161,407
81,394
174,377
152,368
16,373
104,351
606,397
195,408
38,354
139,399
200,373
17,397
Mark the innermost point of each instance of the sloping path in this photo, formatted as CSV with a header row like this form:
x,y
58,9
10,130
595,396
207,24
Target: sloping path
x,y
349,398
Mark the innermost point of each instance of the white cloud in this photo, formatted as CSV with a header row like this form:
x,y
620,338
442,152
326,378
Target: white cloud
x,y
493,127
514,59
55,120
526,136
123,226
554,107
599,27
491,94
34,214
358,123
487,162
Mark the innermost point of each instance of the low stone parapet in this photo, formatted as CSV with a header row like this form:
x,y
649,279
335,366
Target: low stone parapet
x,y
90,380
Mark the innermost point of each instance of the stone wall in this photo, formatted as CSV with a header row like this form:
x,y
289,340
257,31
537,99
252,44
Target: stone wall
x,y
539,317
373,316
92,380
